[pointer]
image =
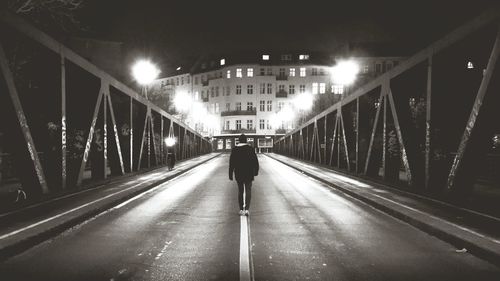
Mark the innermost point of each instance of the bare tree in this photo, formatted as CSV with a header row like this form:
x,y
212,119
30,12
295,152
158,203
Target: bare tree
x,y
60,12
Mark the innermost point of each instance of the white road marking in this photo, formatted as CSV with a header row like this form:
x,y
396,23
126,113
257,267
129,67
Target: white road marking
x,y
245,272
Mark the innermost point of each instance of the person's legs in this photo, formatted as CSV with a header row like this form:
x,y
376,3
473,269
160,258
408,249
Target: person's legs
x,y
248,194
241,189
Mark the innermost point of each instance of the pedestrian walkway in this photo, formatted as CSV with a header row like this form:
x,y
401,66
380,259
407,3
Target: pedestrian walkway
x,y
26,227
467,230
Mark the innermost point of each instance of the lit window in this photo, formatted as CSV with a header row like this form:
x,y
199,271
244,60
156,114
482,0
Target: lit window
x,y
314,88
250,89
322,88
249,72
292,72
470,65
303,57
265,57
302,72
239,73
262,105
238,89
222,61
338,89
228,74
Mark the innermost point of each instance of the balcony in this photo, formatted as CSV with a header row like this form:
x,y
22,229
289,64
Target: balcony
x,y
281,77
239,131
238,112
281,94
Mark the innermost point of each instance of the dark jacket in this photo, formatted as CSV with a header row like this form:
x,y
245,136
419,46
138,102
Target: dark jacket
x,y
243,163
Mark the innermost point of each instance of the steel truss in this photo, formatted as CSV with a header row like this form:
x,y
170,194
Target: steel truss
x,y
426,124
87,126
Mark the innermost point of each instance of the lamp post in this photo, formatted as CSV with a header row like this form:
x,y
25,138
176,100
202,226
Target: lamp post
x,y
144,72
345,73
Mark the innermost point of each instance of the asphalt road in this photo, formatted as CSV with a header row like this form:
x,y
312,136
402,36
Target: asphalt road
x,y
189,229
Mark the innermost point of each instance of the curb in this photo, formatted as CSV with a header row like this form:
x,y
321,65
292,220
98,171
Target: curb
x,y
23,245
453,239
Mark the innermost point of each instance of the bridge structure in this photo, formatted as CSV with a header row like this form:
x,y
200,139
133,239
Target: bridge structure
x,y
429,125
65,122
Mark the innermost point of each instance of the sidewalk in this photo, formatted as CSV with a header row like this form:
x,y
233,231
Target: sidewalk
x,y
24,228
479,234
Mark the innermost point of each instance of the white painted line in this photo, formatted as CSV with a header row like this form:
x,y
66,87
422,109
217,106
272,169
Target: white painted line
x,y
244,250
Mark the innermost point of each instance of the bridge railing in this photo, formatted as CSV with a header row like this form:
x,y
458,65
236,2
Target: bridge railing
x,y
87,125
427,124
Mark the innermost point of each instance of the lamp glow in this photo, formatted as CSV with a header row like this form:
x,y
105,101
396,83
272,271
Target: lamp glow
x,y
170,141
182,101
345,72
303,101
145,72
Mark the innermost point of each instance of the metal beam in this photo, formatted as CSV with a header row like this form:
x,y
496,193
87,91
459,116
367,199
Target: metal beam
x,y
117,138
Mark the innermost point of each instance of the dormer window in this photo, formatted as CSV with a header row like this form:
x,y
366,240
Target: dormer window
x,y
265,57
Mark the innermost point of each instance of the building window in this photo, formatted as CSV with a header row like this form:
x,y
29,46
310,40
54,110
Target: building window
x,y
338,89
250,89
196,80
239,73
238,124
217,107
286,57
265,57
177,81
281,88
378,68
262,88
303,57
302,72
269,88
228,106
292,72
321,71
269,105
196,95
262,105
228,74
217,91
302,89
314,71
212,92
262,124
228,125
262,72
249,106
249,124
315,88
366,68
291,89
182,80
268,124
228,91
322,88
281,105
212,108
222,61
238,106
249,72
238,89
282,72
189,79
269,71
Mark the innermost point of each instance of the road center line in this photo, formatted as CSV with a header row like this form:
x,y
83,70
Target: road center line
x,y
245,273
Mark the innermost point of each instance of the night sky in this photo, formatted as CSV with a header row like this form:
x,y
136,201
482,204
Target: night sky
x,y
173,32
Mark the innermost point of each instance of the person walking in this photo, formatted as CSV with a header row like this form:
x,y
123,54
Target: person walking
x,y
244,165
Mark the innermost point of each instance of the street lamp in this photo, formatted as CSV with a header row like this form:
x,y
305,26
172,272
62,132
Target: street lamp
x,y
144,73
345,73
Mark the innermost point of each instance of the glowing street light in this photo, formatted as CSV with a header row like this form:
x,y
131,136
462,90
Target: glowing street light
x,y
170,141
345,72
182,102
145,72
303,101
